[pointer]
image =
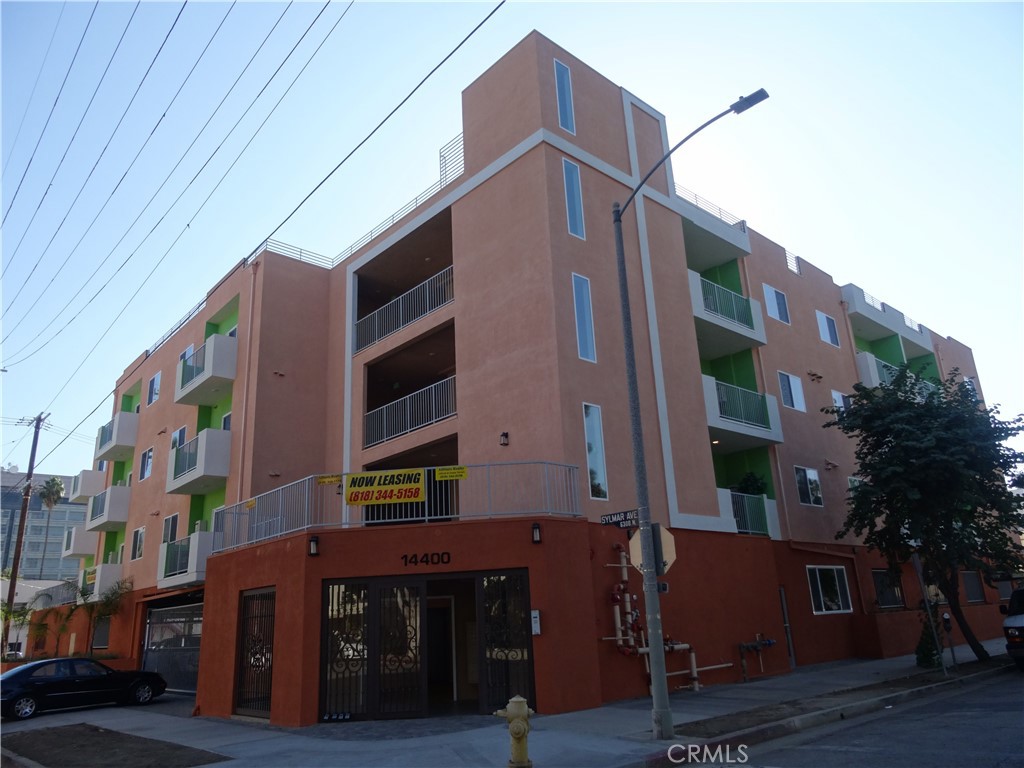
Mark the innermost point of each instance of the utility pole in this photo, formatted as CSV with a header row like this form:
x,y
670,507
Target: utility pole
x,y
12,586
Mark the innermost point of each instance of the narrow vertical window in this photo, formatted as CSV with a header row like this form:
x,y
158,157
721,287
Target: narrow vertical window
x,y
584,318
775,304
563,88
138,541
154,389
596,466
573,199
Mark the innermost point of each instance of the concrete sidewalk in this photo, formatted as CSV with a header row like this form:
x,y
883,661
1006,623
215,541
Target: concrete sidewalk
x,y
613,736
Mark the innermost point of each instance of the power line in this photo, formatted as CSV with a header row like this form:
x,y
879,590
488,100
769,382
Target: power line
x,y
45,125
82,287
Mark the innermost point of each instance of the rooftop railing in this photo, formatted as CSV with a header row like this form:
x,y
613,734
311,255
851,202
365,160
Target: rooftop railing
x,y
707,205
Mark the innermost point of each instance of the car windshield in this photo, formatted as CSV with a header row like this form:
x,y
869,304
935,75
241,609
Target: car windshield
x,y
1016,607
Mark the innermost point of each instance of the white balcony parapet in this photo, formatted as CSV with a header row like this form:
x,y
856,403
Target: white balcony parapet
x,y
183,561
79,542
116,439
200,465
97,580
108,511
207,374
85,485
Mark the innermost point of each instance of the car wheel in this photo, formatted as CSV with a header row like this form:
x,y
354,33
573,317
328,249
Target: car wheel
x,y
24,707
142,693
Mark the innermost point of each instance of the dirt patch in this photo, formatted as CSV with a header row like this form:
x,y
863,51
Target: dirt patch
x,y
86,746
773,713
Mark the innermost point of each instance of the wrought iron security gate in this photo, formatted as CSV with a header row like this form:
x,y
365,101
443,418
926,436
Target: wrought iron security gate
x,y
375,650
172,645
255,653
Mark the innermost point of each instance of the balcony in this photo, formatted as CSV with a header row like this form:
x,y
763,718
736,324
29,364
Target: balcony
x,y
726,322
876,373
97,580
752,515
418,302
184,561
872,320
116,439
738,418
78,542
108,511
713,237
206,376
85,485
201,465
420,409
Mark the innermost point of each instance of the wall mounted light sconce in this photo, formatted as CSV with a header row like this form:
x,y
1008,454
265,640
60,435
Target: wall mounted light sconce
x,y
503,438
314,546
814,376
535,533
830,465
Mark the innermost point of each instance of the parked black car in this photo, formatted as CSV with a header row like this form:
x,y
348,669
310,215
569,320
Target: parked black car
x,y
73,682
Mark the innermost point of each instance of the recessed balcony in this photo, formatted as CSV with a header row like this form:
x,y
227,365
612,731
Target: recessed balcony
x,y
97,580
184,561
872,320
753,515
116,438
713,236
420,409
108,511
726,322
205,376
78,542
738,418
201,465
86,484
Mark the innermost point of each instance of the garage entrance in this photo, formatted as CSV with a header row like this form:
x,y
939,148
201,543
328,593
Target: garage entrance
x,y
430,645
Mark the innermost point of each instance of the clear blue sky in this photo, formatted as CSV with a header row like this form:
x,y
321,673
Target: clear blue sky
x,y
889,155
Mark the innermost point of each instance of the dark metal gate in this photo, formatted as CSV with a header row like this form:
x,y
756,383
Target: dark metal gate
x,y
172,645
255,653
506,646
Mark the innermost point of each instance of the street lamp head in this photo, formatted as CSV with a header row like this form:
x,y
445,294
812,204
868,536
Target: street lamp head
x,y
746,102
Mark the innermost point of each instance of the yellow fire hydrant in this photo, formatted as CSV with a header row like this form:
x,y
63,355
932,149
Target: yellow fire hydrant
x,y
518,716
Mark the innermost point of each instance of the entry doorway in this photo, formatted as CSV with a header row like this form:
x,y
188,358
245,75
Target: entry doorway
x,y
429,645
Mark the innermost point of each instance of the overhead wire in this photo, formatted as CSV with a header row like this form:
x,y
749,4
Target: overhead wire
x,y
114,132
60,164
85,283
47,123
32,95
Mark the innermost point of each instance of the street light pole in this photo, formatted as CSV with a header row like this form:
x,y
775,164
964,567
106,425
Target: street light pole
x,y
661,713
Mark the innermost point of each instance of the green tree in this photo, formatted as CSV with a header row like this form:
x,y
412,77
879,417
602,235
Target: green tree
x,y
933,465
51,492
56,619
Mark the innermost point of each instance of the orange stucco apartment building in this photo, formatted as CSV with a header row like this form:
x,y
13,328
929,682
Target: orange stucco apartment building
x,y
373,486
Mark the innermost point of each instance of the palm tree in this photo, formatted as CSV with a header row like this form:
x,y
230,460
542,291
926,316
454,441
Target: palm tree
x,y
51,492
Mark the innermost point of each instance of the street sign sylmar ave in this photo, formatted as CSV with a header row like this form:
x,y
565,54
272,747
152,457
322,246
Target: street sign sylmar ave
x,y
390,486
664,549
628,519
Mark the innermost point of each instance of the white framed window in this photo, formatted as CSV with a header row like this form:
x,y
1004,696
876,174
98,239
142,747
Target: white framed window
x,y
233,333
146,464
154,389
225,422
178,438
808,486
573,199
120,553
563,90
829,590
138,542
597,468
585,345
775,304
827,328
973,591
888,588
792,389
170,532
187,352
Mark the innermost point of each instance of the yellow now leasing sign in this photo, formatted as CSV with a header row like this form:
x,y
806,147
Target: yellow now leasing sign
x,y
384,487
451,473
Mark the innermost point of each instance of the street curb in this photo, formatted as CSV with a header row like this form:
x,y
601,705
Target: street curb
x,y
770,731
18,760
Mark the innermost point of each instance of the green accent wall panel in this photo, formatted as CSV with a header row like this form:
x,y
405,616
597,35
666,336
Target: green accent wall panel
x,y
925,367
737,369
725,275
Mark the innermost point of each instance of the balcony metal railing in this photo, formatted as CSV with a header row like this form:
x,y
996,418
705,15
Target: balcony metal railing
x,y
99,506
415,411
487,491
707,205
750,514
418,302
743,405
106,433
176,558
192,367
725,303
186,457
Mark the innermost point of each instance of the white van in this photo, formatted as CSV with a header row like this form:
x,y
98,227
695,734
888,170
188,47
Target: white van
x,y
1013,626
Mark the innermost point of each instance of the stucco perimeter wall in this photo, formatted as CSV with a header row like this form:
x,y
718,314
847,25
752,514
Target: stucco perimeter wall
x,y
565,654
